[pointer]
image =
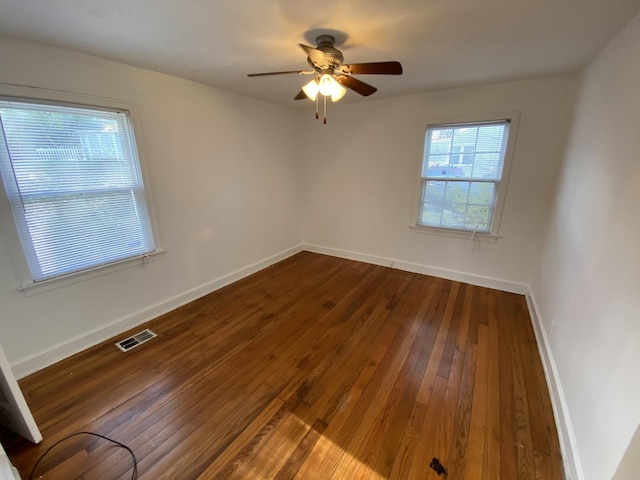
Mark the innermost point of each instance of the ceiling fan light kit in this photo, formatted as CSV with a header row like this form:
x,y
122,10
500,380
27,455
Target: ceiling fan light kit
x,y
332,76
324,85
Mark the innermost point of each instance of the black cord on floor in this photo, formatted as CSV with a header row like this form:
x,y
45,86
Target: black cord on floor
x,y
134,474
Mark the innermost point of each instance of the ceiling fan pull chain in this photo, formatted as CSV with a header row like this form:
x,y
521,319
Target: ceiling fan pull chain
x,y
325,109
317,116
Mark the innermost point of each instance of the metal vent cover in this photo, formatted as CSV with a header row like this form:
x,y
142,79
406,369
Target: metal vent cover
x,y
135,340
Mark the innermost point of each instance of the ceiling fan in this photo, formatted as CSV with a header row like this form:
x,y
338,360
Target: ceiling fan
x,y
331,75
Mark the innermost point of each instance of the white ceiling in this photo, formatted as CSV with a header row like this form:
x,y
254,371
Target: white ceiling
x,y
439,42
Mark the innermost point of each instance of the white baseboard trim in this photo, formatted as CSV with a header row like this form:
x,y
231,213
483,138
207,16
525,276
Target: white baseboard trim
x,y
473,279
44,358
566,436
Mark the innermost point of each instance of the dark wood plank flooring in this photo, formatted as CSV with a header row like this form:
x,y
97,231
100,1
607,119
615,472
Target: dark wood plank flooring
x,y
315,368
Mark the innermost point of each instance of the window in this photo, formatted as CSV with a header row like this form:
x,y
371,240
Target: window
x,y
462,175
73,181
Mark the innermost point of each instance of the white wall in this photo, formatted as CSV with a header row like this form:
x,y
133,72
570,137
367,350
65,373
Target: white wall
x,y
588,283
223,179
630,464
361,169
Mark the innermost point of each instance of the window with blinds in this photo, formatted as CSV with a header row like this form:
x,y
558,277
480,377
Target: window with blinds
x,y
462,169
73,181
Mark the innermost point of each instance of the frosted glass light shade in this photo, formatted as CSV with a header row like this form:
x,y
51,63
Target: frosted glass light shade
x,y
325,85
338,92
311,89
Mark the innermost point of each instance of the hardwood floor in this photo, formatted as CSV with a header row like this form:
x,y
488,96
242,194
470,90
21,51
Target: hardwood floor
x,y
315,368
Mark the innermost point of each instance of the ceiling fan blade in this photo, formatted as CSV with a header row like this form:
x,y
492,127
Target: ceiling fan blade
x,y
316,56
356,85
300,96
265,74
373,68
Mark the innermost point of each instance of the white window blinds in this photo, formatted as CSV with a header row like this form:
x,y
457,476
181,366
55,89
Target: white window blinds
x,y
73,181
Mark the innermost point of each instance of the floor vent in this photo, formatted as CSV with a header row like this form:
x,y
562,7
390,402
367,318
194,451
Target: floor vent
x,y
135,340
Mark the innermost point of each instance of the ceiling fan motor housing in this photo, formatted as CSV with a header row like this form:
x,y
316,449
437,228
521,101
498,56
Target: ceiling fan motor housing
x,y
333,56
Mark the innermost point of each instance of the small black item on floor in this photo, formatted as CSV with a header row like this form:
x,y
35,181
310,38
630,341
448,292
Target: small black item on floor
x,y
437,466
134,473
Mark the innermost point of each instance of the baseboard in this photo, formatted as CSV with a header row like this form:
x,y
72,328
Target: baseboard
x,y
473,279
568,445
44,358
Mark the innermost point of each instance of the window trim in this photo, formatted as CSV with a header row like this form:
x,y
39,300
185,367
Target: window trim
x,y
26,284
502,185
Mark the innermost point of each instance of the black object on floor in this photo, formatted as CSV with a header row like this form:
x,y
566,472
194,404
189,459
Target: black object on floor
x,y
438,467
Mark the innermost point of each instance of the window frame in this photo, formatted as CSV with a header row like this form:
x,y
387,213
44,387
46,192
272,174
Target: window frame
x,y
501,184
26,283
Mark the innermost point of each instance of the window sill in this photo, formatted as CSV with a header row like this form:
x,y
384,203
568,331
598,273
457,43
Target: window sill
x,y
34,288
446,232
